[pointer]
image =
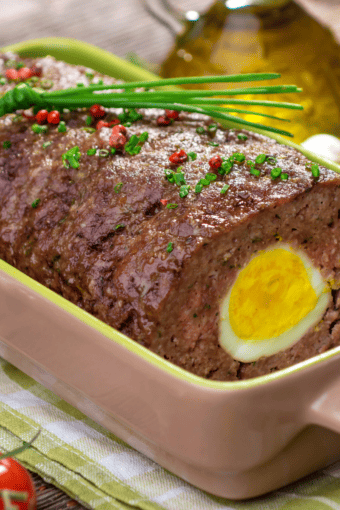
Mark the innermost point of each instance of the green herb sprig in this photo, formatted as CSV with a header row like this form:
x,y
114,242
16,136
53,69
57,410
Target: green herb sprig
x,y
196,101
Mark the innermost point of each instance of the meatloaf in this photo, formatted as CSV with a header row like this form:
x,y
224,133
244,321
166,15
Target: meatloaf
x,y
116,237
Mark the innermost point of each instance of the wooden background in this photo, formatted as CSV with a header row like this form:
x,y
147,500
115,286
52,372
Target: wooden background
x,y
122,27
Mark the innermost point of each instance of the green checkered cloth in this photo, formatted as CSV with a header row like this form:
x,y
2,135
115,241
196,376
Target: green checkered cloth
x,y
96,468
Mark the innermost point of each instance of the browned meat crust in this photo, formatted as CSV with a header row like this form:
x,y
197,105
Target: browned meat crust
x,y
104,247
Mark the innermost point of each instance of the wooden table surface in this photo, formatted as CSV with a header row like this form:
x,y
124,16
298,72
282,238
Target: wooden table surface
x,y
122,27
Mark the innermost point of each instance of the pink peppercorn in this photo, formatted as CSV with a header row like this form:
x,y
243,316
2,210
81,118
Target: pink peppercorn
x,y
117,140
215,162
178,157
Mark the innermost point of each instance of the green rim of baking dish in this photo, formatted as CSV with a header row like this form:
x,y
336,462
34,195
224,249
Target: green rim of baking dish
x,y
81,53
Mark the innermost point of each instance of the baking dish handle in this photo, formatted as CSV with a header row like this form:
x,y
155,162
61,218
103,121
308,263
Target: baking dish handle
x,y
325,410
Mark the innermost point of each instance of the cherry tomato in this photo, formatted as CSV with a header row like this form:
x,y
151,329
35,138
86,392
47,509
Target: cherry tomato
x,y
16,486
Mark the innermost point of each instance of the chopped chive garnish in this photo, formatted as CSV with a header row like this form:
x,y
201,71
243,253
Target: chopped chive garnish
x,y
170,247
103,153
89,75
284,176
72,157
118,187
184,191
200,130
276,172
214,144
261,158
239,156
36,203
242,137
144,137
255,171
91,152
171,206
7,144
113,150
204,182
198,188
3,80
225,189
80,84
211,177
61,127
46,144
212,128
88,120
120,225
315,170
225,168
179,178
88,129
250,163
169,175
46,84
272,160
39,129
192,155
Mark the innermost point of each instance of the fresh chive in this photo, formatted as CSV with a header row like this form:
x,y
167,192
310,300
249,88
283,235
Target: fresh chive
x,y
88,120
118,187
242,137
3,80
284,176
171,206
170,247
36,203
80,84
200,130
214,144
103,153
46,144
276,172
113,150
197,101
91,152
7,144
261,158
198,188
225,189
120,225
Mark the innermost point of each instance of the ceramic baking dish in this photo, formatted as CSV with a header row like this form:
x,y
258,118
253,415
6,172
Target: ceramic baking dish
x,y
233,439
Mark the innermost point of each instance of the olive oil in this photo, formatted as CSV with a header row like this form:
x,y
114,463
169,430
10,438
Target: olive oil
x,y
267,36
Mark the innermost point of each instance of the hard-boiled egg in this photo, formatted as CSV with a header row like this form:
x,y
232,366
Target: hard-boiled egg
x,y
275,299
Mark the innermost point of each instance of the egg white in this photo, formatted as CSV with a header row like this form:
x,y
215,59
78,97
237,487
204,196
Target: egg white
x,y
251,350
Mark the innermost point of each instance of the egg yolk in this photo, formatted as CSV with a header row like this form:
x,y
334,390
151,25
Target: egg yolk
x,y
270,296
